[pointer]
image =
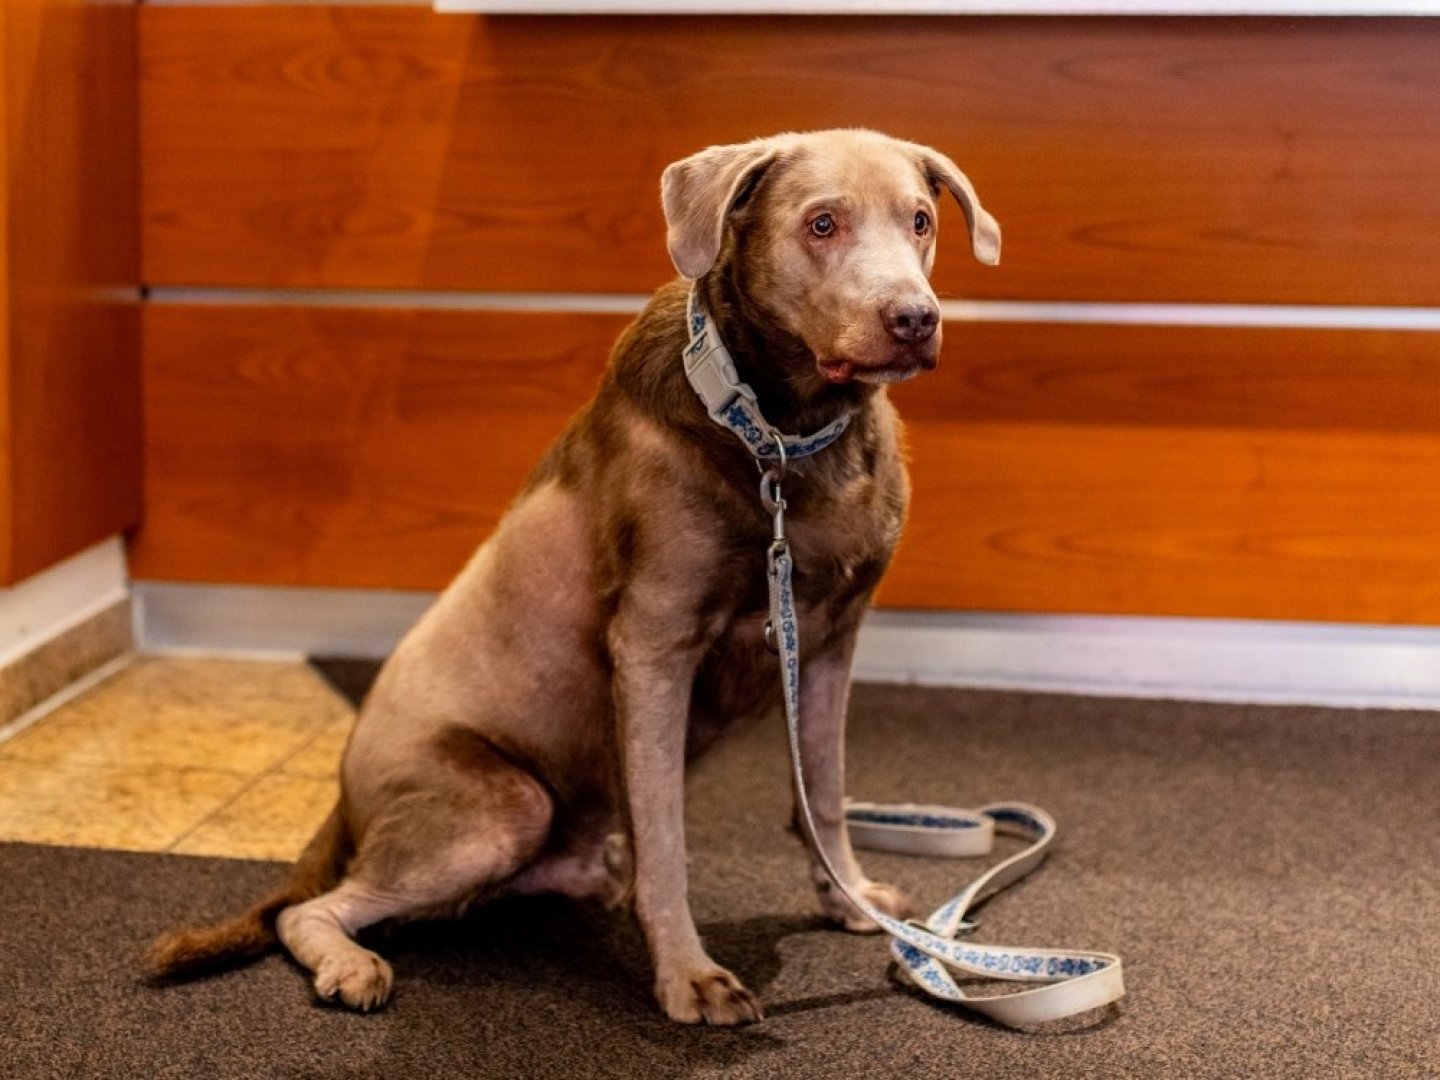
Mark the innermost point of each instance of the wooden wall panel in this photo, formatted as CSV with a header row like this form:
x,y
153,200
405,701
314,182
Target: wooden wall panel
x,y
1258,160
7,459
1269,524
308,446
69,359
1182,378
1259,473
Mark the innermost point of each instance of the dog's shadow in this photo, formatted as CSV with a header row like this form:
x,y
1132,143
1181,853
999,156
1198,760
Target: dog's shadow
x,y
577,977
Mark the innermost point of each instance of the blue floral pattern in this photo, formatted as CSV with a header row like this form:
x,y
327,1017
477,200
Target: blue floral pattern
x,y
741,414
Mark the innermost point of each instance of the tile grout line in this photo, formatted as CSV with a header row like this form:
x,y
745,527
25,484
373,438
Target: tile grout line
x,y
274,769
58,700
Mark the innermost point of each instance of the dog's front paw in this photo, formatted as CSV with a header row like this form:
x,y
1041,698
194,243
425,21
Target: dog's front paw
x,y
358,977
711,996
887,898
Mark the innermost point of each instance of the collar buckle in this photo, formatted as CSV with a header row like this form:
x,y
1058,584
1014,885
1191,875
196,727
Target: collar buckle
x,y
711,371
732,404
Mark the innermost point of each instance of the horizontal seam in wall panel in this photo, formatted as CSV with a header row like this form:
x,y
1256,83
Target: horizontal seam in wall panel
x,y
434,300
1277,316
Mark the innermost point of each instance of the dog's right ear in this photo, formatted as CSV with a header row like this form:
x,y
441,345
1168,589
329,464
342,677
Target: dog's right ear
x,y
698,194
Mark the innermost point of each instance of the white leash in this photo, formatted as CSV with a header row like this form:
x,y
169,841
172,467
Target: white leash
x,y
928,953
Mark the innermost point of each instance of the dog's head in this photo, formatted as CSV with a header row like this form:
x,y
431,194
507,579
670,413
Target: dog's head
x,y
834,232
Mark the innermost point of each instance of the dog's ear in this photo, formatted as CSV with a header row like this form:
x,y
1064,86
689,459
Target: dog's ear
x,y
699,192
984,229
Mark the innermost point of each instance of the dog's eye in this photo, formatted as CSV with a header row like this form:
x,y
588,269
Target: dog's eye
x,y
822,226
922,223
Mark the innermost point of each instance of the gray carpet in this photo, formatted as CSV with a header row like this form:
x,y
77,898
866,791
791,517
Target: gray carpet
x,y
1271,876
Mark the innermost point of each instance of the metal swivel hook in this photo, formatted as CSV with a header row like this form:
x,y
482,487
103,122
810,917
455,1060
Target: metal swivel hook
x,y
773,499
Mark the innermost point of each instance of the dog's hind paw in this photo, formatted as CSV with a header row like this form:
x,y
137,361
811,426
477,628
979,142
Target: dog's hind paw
x,y
359,979
713,997
886,898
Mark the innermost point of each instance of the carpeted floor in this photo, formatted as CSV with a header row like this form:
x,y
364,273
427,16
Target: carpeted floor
x,y
1271,877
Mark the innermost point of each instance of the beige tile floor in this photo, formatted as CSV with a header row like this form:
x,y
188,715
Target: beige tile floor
x,y
192,756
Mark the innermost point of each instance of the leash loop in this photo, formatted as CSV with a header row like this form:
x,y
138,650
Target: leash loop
x,y
929,953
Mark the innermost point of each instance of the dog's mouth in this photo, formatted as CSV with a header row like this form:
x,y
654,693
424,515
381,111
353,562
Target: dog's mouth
x,y
895,369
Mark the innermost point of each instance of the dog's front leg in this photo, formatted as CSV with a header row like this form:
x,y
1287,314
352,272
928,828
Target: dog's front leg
x,y
653,677
824,702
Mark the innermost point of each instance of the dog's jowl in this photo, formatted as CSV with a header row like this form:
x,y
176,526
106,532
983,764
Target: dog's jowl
x,y
530,734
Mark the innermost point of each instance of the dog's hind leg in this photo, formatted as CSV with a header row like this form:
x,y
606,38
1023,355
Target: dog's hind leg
x,y
427,850
318,935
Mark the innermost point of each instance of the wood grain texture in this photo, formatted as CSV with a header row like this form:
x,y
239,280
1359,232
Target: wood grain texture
x,y
1181,378
346,447
1249,473
1269,524
7,457
70,356
1221,160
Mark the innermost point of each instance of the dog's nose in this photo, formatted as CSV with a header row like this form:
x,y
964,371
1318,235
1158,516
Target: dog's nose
x,y
911,323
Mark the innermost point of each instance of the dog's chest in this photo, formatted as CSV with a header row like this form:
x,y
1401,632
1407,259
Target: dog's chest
x,y
840,542
842,545
739,676
839,551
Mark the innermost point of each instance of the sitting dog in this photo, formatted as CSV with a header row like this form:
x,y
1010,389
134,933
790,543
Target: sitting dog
x,y
615,623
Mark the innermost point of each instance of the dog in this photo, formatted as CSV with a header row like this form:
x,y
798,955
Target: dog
x,y
530,733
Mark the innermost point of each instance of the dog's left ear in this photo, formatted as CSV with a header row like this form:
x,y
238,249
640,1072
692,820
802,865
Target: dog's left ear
x,y
984,229
698,193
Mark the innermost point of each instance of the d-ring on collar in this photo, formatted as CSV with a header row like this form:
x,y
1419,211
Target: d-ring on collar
x,y
732,403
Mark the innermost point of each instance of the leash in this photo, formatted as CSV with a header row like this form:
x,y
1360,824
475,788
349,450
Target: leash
x,y
929,953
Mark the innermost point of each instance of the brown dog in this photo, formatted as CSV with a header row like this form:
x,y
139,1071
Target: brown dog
x,y
614,623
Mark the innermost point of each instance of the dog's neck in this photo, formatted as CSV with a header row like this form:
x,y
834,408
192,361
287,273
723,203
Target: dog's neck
x,y
733,404
776,364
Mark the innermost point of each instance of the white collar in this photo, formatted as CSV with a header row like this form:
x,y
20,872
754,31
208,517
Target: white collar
x,y
732,404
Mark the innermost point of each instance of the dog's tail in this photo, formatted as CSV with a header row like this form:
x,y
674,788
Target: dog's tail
x,y
243,938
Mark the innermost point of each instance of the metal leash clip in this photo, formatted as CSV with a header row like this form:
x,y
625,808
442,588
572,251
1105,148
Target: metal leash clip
x,y
773,500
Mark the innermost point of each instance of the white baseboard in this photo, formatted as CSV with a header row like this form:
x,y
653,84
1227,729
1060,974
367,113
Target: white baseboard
x,y
1197,659
273,622
41,608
